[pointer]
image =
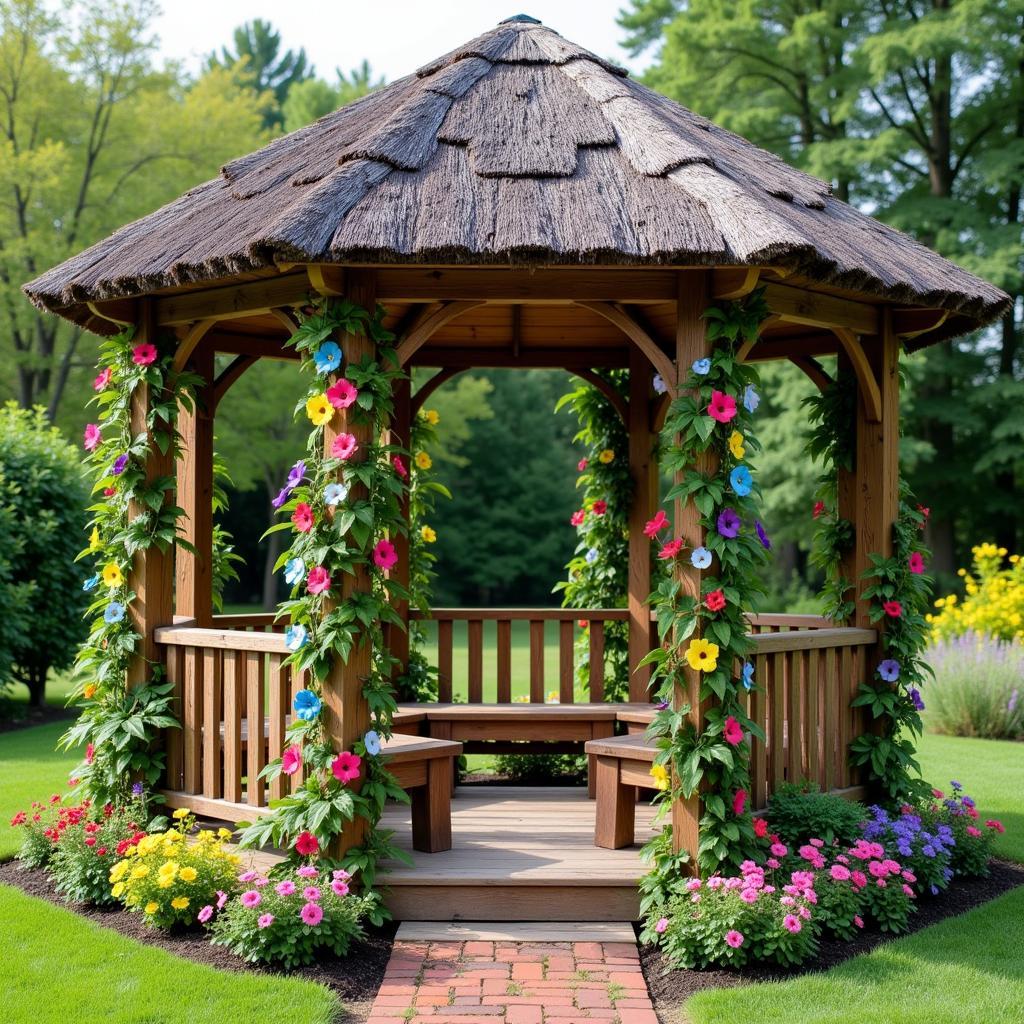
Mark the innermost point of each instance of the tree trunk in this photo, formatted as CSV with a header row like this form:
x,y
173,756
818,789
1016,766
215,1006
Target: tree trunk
x,y
37,687
269,600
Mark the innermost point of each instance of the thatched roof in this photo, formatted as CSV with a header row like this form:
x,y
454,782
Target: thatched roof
x,y
517,147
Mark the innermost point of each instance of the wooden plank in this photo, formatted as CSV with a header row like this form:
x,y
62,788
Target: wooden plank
x,y
431,320
431,809
233,301
524,614
397,638
504,655
813,725
576,931
174,738
278,704
518,729
513,903
211,723
777,705
759,753
444,660
222,639
475,653
596,662
800,306
636,748
613,826
514,712
537,661
234,684
844,714
255,682
810,639
794,719
566,662
192,720
771,621
829,721
641,338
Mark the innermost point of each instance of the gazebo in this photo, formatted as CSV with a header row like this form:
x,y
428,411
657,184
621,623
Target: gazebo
x,y
519,202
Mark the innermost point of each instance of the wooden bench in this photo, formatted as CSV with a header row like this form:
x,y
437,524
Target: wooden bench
x,y
636,719
623,764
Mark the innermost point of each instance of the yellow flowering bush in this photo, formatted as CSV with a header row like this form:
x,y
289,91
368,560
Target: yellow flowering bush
x,y
994,601
171,876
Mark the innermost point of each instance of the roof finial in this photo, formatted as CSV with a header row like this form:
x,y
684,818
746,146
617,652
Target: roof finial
x,y
524,18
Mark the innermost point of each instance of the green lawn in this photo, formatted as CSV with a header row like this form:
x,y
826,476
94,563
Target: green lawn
x,y
966,968
58,967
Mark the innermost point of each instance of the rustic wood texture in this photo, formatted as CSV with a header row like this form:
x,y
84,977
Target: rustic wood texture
x,y
517,146
397,639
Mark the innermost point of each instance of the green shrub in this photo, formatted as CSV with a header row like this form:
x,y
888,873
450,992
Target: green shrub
x,y
533,768
800,811
41,597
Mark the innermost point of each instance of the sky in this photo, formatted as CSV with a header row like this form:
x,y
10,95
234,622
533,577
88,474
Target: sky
x,y
395,36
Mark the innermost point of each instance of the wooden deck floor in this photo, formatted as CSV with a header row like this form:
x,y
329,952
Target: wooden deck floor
x,y
518,854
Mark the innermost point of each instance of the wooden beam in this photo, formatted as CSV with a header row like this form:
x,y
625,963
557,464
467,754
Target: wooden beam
x,y
123,312
325,279
427,388
190,342
734,283
288,320
813,369
233,301
615,398
911,323
769,348
469,358
229,375
867,385
431,320
401,434
800,306
659,412
259,345
621,318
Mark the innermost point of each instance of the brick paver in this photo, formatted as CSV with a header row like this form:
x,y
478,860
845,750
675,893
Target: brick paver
x,y
513,983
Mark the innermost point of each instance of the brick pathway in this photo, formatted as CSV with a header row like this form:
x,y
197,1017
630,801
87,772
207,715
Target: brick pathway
x,y
519,983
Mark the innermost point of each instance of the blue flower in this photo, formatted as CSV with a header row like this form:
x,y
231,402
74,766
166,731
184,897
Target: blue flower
x,y
307,705
334,493
295,637
748,674
372,743
761,535
915,698
591,556
741,481
751,399
659,385
92,582
702,367
114,613
889,670
294,571
700,558
327,357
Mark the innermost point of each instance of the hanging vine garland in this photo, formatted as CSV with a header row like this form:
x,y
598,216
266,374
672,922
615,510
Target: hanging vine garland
x,y
120,726
709,425
342,505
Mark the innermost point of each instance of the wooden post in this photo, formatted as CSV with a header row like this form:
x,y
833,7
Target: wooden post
x,y
346,713
401,434
193,572
846,482
644,471
151,574
691,344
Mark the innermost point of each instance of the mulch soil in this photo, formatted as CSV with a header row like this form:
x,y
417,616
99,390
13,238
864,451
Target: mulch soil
x,y
354,980
671,988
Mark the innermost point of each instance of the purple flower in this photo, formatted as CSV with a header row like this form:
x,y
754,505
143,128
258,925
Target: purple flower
x,y
282,496
136,789
119,463
728,523
762,536
889,670
957,786
295,474
915,698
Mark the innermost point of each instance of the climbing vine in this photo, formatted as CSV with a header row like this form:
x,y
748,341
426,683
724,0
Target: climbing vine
x,y
133,512
598,571
343,508
707,443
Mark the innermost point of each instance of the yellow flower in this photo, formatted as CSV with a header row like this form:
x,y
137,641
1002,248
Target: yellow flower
x,y
181,812
168,869
140,871
117,890
89,691
319,410
606,456
179,902
147,844
736,445
423,460
660,775
702,655
151,907
187,874
432,417
165,882
428,534
224,833
117,872
112,576
94,540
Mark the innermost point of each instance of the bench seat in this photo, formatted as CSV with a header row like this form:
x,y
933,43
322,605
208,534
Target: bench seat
x,y
622,764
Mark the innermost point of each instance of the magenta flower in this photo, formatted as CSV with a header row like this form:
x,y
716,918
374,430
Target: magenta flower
x,y
143,354
311,893
251,898
384,554
916,563
92,438
222,898
307,871
311,914
204,915
339,888
285,888
722,407
319,580
265,920
345,767
344,446
728,523
103,379
734,938
342,393
791,923
291,760
661,925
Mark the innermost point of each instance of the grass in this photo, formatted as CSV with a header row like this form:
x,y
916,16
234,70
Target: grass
x,y
59,967
968,967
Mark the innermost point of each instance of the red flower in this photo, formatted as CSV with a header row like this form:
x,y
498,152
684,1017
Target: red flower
x,y
581,465
760,827
671,549
819,509
599,507
90,753
732,732
722,407
144,354
396,461
925,514
307,844
893,609
715,601
577,517
90,840
654,526
303,517
916,563
19,819
101,852
996,826
345,767
739,802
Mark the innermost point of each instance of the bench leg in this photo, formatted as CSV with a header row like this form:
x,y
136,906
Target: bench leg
x,y
598,731
432,808
616,805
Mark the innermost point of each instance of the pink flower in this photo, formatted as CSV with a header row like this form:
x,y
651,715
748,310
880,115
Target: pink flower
x,y
859,879
303,517
722,407
996,826
819,843
312,893
916,563
251,898
307,871
307,844
693,884
804,913
734,938
839,873
732,732
396,461
577,517
90,841
92,437
858,920
773,863
787,901
661,925
893,609
739,802
339,888
319,580
654,526
340,874
205,914
291,759
907,890
345,767
778,850
222,898
715,882
285,888
695,898
90,753
671,549
311,914
877,870
581,465
265,920
342,393
384,554
791,923
102,380
144,354
599,507
972,831
748,895
247,876
760,827
344,446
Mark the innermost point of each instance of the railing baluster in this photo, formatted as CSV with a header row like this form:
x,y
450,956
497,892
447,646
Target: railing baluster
x,y
844,715
759,755
444,660
212,722
192,720
475,645
278,705
174,738
566,662
813,728
794,697
234,667
596,660
504,661
536,661
778,707
255,678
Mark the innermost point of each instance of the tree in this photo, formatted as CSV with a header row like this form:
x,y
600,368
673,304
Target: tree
x,y
258,59
91,136
314,98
